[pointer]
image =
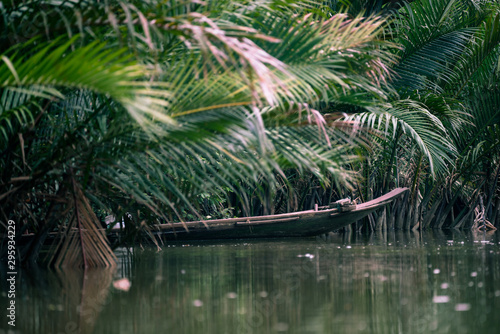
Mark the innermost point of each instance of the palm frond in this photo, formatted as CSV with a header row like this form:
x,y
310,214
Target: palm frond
x,y
416,122
148,108
83,242
433,35
476,69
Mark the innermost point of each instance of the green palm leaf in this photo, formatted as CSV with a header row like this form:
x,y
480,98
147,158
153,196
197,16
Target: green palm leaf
x,y
425,130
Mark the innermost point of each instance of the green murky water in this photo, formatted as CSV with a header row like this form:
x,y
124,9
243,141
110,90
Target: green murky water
x,y
400,283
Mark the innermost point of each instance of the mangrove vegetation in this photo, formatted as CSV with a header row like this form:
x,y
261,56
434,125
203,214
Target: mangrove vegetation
x,y
177,110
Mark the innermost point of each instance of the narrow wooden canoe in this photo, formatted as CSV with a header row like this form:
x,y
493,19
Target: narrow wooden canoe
x,y
296,224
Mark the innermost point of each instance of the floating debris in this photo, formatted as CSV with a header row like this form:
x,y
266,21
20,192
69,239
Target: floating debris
x,y
231,295
462,307
440,299
310,256
122,284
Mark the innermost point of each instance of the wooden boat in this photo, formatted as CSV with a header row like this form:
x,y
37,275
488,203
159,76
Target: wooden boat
x,y
296,224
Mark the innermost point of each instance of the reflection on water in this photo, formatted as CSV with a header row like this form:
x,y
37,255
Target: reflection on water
x,y
397,283
59,302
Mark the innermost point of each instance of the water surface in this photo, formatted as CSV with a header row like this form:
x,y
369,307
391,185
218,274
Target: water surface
x,y
396,283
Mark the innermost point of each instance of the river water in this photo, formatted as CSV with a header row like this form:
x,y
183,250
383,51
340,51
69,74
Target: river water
x,y
440,282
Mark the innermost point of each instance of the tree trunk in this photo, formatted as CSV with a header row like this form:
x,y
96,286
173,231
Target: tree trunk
x,y
391,216
494,213
402,205
380,220
462,221
416,216
497,210
429,215
444,214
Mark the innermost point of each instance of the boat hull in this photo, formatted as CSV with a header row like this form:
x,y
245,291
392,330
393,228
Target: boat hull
x,y
298,224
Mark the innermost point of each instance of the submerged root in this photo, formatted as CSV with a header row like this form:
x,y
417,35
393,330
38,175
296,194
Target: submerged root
x,y
481,223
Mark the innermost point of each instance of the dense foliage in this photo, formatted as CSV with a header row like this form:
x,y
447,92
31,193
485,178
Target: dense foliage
x,y
144,109
162,111
441,134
